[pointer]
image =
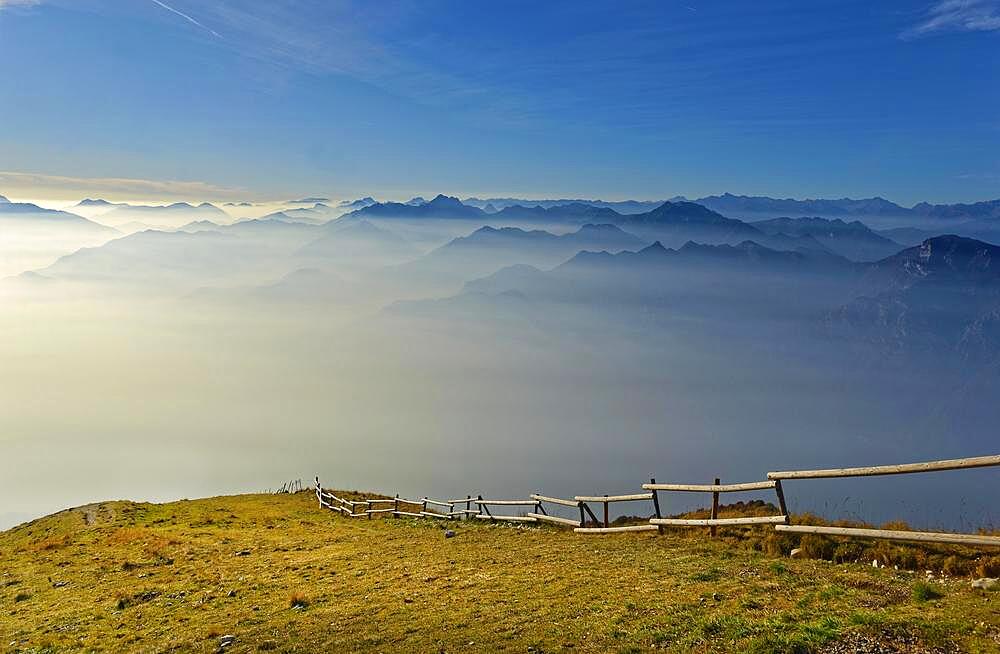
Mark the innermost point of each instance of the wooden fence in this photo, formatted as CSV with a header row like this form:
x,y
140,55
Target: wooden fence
x,y
452,509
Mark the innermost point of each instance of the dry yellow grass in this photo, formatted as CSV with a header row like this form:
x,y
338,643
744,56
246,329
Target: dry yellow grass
x,y
278,574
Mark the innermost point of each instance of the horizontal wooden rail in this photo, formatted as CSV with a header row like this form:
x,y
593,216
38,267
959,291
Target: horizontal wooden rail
x,y
614,498
380,511
446,505
508,518
615,530
914,536
463,512
712,488
381,501
410,502
554,519
554,500
929,466
718,522
431,514
505,502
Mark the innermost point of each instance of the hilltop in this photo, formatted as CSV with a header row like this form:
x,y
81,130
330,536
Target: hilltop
x,y
277,573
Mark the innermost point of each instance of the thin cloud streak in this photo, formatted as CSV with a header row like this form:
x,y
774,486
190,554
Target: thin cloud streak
x,y
957,16
18,183
18,3
187,18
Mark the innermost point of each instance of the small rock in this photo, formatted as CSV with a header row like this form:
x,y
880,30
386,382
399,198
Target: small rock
x,y
227,640
875,563
243,553
796,553
987,583
448,533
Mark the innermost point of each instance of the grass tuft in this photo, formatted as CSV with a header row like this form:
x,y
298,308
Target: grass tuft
x,y
925,592
298,600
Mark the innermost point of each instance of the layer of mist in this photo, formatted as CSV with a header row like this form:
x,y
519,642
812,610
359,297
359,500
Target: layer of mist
x,y
444,350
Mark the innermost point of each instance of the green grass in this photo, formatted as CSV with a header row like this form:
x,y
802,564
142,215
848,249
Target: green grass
x,y
280,575
925,592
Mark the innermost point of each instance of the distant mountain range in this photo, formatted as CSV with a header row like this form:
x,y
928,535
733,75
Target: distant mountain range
x,y
357,204
31,216
758,207
98,202
317,214
622,206
441,207
488,249
310,201
173,215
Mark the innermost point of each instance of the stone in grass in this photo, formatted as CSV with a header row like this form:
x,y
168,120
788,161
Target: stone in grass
x,y
987,583
796,553
448,533
226,641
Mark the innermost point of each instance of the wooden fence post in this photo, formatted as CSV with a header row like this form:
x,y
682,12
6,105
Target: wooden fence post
x,y
468,506
656,506
606,503
395,507
712,531
781,500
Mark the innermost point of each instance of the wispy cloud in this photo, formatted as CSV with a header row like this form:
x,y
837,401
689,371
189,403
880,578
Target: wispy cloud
x,y
185,17
957,16
18,3
119,188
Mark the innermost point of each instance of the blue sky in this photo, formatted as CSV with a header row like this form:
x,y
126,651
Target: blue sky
x,y
225,99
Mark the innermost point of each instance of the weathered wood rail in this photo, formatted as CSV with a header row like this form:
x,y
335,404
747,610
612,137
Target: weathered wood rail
x,y
604,526
898,469
452,509
714,521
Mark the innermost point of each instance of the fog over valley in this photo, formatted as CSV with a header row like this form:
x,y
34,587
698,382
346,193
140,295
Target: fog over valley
x,y
499,345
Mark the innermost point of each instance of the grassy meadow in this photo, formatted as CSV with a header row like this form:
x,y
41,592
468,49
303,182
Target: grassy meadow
x,y
256,573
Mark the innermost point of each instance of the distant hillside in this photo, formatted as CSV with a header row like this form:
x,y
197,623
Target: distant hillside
x,y
488,249
675,223
99,203
940,296
175,214
573,213
24,215
853,240
357,204
358,242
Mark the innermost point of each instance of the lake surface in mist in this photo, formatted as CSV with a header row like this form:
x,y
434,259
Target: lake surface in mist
x,y
158,400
